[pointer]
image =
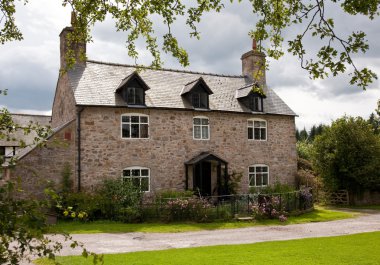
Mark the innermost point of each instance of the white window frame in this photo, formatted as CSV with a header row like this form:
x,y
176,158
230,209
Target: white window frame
x,y
130,123
201,126
253,129
253,175
139,177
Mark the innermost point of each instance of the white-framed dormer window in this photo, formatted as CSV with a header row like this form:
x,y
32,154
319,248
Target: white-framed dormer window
x,y
201,128
134,126
139,176
135,96
257,129
258,175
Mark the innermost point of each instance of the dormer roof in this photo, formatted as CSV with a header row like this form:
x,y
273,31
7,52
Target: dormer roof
x,y
134,76
246,90
199,82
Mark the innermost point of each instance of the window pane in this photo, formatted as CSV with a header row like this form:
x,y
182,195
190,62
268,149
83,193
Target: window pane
x,y
136,182
263,124
125,118
204,100
136,172
144,131
251,169
125,131
259,169
204,132
139,96
144,184
195,98
134,130
144,172
251,179
126,173
250,123
204,121
197,132
265,179
143,119
250,133
257,124
264,169
131,95
257,134
259,104
135,119
263,134
126,179
197,121
258,179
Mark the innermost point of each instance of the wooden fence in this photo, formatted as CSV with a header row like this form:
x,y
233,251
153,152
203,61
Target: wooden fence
x,y
339,197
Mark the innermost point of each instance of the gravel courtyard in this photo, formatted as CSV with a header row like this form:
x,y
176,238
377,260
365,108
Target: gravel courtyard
x,y
130,242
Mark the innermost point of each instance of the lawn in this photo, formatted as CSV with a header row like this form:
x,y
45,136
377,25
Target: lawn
x,y
358,249
318,215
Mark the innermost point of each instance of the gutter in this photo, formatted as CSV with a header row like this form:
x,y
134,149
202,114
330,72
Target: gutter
x,y
79,169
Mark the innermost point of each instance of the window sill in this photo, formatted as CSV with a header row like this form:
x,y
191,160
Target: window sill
x,y
137,106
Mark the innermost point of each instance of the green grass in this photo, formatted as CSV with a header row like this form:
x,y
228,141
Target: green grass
x,y
358,249
318,215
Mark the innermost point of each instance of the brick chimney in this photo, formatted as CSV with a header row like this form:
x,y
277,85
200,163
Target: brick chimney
x,y
253,65
78,48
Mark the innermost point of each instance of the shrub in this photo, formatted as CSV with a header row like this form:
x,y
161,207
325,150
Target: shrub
x,y
306,198
81,205
277,187
121,200
190,209
268,207
173,194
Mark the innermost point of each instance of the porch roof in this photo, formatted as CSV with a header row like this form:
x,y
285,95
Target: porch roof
x,y
205,156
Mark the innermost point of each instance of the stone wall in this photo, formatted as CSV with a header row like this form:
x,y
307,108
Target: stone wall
x,y
105,154
44,165
64,103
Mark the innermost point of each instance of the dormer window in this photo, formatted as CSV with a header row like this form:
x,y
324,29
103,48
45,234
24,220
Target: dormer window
x,y
197,94
132,89
199,100
134,95
255,103
252,97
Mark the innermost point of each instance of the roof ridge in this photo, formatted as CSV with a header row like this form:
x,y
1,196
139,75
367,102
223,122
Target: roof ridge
x,y
28,114
164,69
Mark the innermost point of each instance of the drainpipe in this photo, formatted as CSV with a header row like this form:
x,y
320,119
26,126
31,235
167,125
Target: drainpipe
x,y
79,147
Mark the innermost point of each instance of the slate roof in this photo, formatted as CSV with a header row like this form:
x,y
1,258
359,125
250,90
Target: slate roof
x,y
95,83
24,120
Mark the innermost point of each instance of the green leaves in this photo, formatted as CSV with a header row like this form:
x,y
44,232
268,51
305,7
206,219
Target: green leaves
x,y
347,155
137,19
8,28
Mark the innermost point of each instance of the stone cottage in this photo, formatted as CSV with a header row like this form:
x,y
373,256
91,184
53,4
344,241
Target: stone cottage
x,y
165,129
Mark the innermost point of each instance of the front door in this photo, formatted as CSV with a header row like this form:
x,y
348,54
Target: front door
x,y
202,179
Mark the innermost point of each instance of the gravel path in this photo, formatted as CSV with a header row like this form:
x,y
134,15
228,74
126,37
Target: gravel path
x,y
131,242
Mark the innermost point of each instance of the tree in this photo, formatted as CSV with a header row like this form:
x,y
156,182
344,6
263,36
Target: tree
x,y
23,220
347,155
374,119
135,18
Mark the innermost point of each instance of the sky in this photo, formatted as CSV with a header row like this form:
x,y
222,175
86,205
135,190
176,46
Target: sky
x,y
29,68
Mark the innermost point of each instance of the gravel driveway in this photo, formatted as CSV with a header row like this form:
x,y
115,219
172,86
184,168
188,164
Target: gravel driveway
x,y
130,242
